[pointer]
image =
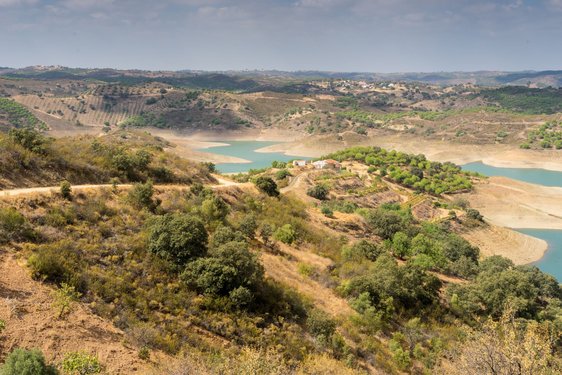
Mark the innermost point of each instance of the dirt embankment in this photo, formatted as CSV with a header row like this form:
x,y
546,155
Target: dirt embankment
x,y
516,204
495,240
26,306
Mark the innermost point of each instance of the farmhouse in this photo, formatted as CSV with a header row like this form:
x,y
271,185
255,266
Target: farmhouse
x,y
327,164
299,163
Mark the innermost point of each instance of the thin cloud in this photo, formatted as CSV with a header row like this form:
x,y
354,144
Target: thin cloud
x,y
12,3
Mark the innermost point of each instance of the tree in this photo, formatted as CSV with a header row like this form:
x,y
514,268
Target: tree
x,y
214,208
387,222
266,231
248,226
26,362
527,290
29,139
228,268
267,185
177,237
211,167
401,244
224,234
364,249
318,191
508,346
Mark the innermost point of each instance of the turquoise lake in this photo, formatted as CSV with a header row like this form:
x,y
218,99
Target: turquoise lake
x,y
535,176
247,150
552,261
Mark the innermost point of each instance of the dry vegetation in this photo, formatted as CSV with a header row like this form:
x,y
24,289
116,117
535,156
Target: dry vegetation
x,y
289,271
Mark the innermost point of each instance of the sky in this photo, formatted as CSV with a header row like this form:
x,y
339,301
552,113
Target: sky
x,y
328,35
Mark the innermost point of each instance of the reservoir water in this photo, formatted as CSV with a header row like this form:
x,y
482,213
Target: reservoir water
x,y
247,150
534,176
552,261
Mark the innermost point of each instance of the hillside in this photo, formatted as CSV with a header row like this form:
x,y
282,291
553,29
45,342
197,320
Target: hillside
x,y
28,158
458,114
359,270
258,79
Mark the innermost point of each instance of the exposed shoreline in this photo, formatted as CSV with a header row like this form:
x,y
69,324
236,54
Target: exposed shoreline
x,y
496,240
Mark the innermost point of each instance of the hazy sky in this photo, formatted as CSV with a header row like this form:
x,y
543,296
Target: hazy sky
x,y
337,35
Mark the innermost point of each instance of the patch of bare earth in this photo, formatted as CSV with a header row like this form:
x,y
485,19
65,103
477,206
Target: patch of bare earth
x,y
285,270
518,204
26,306
494,240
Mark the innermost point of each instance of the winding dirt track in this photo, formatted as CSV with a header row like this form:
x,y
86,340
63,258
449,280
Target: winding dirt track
x,y
48,189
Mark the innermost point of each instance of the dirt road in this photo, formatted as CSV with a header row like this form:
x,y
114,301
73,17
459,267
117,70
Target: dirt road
x,y
222,182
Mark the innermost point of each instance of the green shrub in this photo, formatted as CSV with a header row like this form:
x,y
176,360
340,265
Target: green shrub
x,y
80,363
58,263
11,220
327,211
14,226
267,185
362,249
65,189
305,269
248,226
318,191
64,299
401,244
144,353
177,238
214,209
320,324
241,297
26,362
285,234
140,196
29,139
474,214
282,174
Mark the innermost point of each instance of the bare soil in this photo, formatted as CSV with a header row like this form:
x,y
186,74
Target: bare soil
x,y
31,320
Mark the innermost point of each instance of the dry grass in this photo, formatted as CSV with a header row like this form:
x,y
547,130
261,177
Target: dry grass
x,y
31,322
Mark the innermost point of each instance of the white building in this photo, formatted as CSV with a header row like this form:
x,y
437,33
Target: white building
x,y
327,164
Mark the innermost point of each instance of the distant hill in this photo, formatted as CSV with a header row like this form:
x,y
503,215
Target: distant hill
x,y
258,80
